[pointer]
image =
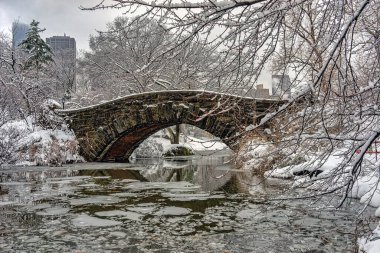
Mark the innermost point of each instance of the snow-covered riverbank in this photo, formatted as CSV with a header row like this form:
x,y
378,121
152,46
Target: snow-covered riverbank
x,y
318,175
24,143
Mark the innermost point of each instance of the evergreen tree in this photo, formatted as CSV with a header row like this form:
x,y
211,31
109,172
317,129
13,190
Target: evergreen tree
x,y
40,54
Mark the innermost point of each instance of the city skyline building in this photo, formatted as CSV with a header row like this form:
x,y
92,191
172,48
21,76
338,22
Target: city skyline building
x,y
281,86
62,43
19,32
64,50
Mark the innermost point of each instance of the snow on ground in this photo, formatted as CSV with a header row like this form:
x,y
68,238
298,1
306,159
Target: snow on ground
x,y
203,145
312,165
371,244
366,188
24,143
157,145
256,155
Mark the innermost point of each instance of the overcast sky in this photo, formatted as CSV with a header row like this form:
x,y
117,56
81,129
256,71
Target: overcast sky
x,y
64,16
58,17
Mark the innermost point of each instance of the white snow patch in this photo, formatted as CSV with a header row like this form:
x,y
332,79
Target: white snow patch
x,y
285,173
29,144
371,244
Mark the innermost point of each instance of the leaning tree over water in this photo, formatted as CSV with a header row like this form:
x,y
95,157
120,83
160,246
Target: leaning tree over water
x,y
329,48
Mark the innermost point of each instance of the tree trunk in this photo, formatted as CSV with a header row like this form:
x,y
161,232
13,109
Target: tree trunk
x,y
176,135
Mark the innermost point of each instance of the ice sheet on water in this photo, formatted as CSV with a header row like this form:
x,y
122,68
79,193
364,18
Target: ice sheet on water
x,y
15,183
173,211
111,213
84,220
140,186
125,214
61,182
189,197
57,210
247,213
117,234
100,199
128,180
88,185
144,209
39,206
125,194
7,203
102,177
72,179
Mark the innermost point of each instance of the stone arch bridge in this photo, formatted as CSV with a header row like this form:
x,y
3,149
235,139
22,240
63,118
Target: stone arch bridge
x,y
112,130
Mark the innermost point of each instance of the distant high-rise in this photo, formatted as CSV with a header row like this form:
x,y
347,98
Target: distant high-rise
x,y
62,43
281,86
19,32
64,49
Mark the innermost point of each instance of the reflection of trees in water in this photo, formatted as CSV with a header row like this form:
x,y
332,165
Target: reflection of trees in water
x,y
35,176
28,187
210,174
19,218
244,182
3,190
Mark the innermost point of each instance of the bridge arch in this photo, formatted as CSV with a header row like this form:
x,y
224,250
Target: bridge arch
x,y
112,130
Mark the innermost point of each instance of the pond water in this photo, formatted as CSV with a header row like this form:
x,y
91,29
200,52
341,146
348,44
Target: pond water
x,y
198,204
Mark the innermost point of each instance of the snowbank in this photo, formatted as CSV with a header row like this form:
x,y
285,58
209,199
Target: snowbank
x,y
371,244
156,146
257,156
24,143
366,188
313,167
199,145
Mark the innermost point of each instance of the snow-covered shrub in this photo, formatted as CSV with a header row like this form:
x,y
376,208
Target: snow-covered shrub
x,y
10,134
46,117
151,147
27,143
48,147
257,155
178,150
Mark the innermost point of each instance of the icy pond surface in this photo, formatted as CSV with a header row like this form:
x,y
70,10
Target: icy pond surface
x,y
193,205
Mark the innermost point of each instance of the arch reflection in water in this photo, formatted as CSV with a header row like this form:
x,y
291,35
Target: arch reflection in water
x,y
181,140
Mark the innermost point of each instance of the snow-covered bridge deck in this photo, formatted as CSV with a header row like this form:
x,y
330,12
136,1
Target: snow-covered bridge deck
x,y
112,130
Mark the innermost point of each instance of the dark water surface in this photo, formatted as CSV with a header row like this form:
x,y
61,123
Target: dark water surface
x,y
191,205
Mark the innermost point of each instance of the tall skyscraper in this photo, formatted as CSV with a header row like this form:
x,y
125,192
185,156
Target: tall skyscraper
x,y
62,43
281,86
64,49
19,31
